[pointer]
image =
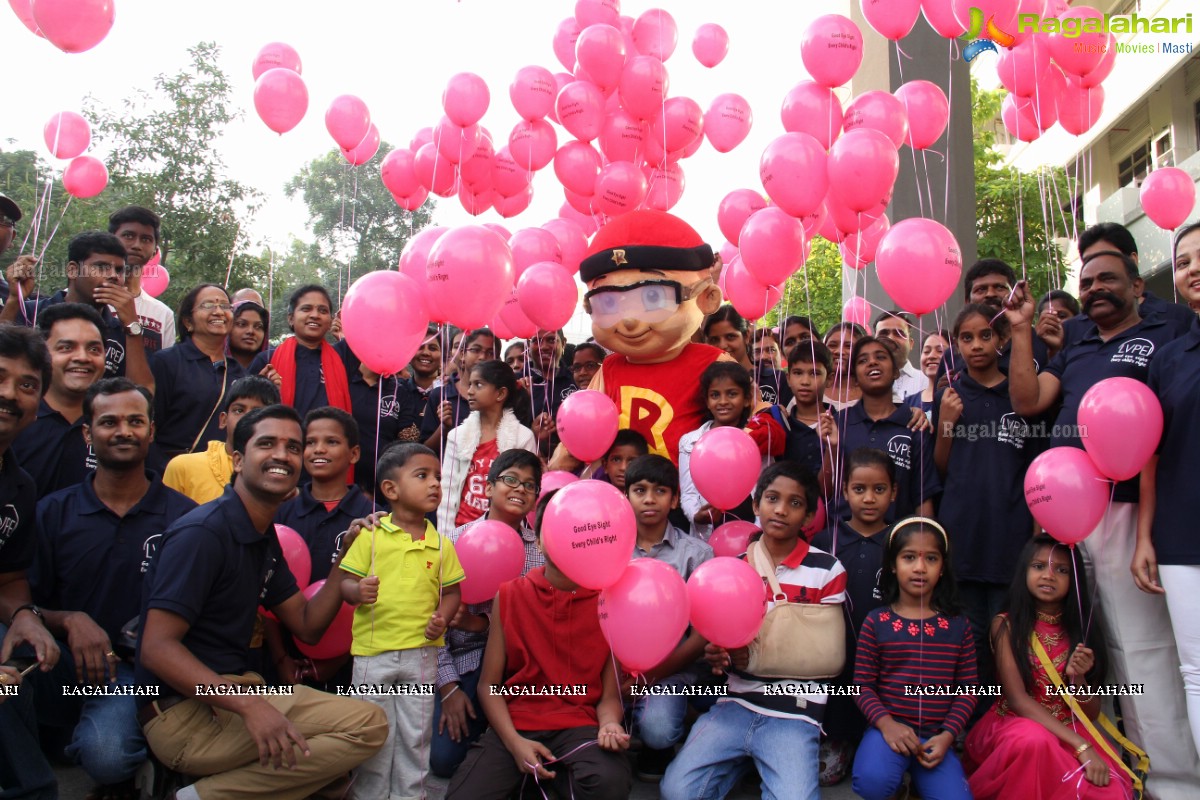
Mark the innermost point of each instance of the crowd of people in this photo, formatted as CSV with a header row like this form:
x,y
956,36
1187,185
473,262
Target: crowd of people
x,y
158,632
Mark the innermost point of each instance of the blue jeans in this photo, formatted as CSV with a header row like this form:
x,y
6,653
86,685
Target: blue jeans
x,y
659,719
725,740
878,771
24,771
445,754
107,740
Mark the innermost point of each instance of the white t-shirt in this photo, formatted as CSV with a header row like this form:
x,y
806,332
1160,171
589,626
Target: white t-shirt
x,y
157,319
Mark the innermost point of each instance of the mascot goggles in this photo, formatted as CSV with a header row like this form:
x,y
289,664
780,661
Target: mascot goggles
x,y
647,301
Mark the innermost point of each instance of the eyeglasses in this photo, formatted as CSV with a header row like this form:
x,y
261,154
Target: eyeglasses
x,y
892,333
648,301
209,305
587,365
512,481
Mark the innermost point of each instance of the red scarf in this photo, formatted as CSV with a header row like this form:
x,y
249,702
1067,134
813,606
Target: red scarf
x,y
337,388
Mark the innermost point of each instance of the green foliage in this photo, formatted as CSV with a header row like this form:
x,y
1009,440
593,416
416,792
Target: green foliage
x,y
357,224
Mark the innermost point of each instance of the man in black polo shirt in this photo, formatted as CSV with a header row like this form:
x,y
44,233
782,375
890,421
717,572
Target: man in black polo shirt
x,y
1118,343
96,276
52,449
93,540
24,370
211,571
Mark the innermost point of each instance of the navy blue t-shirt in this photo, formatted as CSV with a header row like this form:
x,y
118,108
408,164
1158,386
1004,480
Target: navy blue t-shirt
x,y
310,380
18,502
1152,305
862,557
1091,360
447,392
1175,378
113,332
213,569
323,530
376,409
911,451
190,392
953,362
91,560
772,385
53,451
983,504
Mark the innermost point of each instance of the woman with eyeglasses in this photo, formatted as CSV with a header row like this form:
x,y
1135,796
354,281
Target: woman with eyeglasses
x,y
192,377
585,363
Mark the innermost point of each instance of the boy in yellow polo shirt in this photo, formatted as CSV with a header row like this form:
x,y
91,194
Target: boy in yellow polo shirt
x,y
401,617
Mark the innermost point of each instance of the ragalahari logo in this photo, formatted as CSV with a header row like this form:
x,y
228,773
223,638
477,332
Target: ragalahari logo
x,y
984,36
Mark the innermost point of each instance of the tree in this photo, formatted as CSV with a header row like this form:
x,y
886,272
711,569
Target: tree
x,y
357,224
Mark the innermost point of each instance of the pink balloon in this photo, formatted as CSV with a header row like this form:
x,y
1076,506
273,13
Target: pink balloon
x,y
514,318
67,135
679,125
479,171
414,259
727,121
580,108
511,206
470,273
413,201
1123,422
845,221
1168,196
572,242
919,264
281,99
665,186
746,293
623,138
338,637
421,138
587,424
347,119
85,177
1066,493
620,187
73,26
735,209
1021,68
498,229
793,173
1037,7
858,311
726,601
772,245
832,50
24,12
456,144
532,246
940,16
589,531
576,166
644,614
155,278
564,42
466,99
732,538
1079,53
508,177
643,87
475,204
728,253
435,172
859,248
547,294
532,144
384,295
532,92
710,45
1019,119
397,171
600,51
1078,107
365,150
295,553
585,220
491,553
927,111
813,109
597,12
891,19
1105,67
579,204
863,165
655,34
276,55
725,464
878,110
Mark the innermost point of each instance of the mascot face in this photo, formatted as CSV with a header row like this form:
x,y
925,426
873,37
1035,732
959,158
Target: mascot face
x,y
649,315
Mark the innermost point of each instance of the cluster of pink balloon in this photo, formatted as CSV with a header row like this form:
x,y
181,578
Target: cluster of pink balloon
x,y
72,26
68,136
280,95
832,174
1068,490
336,641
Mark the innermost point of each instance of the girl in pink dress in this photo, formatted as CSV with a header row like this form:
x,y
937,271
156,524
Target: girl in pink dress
x,y
1030,745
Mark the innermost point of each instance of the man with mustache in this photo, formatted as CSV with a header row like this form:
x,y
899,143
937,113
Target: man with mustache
x,y
114,518
1119,342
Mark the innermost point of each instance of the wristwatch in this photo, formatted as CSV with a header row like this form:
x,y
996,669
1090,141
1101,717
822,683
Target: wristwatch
x,y
30,607
134,328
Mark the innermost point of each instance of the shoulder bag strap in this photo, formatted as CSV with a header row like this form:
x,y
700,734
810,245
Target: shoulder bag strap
x,y
762,564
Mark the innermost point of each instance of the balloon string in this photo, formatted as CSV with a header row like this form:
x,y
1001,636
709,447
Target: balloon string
x,y
953,54
1107,524
36,219
1078,596
232,254
912,152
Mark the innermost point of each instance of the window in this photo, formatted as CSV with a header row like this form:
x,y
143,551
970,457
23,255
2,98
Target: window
x,y
1164,153
1134,166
